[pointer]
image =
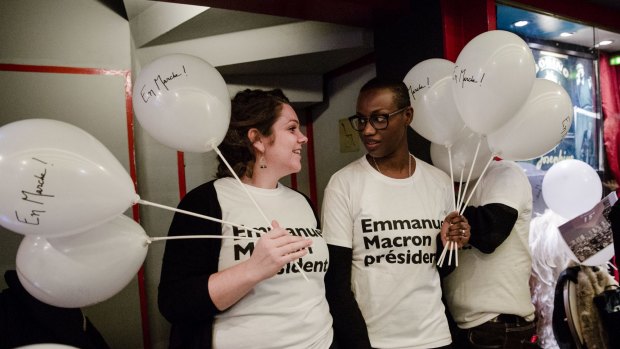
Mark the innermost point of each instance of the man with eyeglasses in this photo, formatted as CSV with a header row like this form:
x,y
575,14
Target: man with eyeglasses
x,y
385,217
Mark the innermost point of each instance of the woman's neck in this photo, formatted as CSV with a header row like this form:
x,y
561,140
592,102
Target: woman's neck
x,y
398,166
261,178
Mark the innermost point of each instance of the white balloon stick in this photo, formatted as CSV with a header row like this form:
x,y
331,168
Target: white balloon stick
x,y
451,175
443,254
456,254
163,238
476,185
219,153
144,202
451,248
215,148
150,239
471,169
461,187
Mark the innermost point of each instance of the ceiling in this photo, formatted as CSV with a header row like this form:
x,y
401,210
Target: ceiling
x,y
549,28
340,30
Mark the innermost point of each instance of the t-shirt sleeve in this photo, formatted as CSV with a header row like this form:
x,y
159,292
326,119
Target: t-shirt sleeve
x,y
188,263
336,216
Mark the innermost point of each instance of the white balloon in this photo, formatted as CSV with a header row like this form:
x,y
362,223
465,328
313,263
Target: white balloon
x,y
183,102
571,187
463,151
436,117
423,75
493,76
543,121
82,269
56,179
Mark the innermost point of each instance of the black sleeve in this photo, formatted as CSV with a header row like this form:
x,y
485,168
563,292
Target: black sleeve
x,y
349,326
490,225
187,264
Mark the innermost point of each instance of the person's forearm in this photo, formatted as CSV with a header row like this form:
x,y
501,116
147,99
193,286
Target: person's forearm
x,y
228,286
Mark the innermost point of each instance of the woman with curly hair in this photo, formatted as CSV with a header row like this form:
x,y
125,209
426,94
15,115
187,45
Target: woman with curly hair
x,y
234,293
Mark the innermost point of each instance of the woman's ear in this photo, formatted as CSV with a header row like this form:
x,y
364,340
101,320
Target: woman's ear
x,y
255,137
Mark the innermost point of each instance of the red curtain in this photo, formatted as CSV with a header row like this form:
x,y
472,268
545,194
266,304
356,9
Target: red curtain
x,y
610,97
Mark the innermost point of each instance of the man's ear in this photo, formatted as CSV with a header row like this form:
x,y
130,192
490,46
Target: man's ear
x,y
255,137
409,114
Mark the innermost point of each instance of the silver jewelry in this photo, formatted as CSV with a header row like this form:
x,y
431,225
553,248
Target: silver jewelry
x,y
378,169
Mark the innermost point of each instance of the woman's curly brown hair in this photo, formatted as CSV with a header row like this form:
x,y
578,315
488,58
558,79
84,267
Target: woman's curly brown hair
x,y
257,109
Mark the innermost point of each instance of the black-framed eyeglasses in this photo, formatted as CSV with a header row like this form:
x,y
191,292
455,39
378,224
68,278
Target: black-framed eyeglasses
x,y
378,121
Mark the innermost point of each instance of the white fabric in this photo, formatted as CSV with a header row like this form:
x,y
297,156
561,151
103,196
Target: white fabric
x,y
391,226
284,311
485,285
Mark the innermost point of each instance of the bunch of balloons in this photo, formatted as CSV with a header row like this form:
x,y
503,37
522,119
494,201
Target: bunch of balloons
x,y
66,193
488,103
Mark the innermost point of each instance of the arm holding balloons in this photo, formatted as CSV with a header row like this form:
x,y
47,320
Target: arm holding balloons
x,y
191,286
188,263
503,187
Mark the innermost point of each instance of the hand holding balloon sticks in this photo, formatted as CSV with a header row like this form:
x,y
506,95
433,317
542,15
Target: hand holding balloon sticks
x,y
454,233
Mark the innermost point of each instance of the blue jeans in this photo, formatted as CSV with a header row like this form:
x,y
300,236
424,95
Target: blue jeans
x,y
498,334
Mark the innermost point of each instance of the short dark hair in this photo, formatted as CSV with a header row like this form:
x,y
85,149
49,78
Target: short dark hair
x,y
398,88
249,109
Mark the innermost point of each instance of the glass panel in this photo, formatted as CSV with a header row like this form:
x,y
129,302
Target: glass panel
x,y
565,52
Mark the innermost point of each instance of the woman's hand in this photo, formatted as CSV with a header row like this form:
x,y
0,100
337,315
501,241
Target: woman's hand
x,y
271,252
274,250
455,228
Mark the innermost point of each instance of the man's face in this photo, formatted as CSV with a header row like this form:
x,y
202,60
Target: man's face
x,y
381,143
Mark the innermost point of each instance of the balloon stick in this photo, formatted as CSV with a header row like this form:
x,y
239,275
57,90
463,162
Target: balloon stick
x,y
144,202
451,175
153,239
219,153
163,238
443,254
456,254
215,148
476,185
471,169
460,191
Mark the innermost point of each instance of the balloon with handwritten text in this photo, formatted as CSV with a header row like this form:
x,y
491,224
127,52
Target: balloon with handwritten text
x,y
423,75
56,179
492,78
436,117
183,102
538,127
83,269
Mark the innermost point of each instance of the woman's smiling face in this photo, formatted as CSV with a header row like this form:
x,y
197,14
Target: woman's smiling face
x,y
283,149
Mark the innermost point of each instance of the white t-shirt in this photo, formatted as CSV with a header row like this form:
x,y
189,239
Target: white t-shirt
x,y
485,285
391,226
286,303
